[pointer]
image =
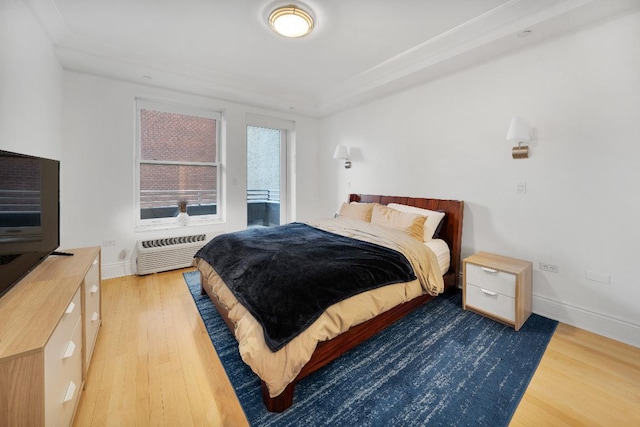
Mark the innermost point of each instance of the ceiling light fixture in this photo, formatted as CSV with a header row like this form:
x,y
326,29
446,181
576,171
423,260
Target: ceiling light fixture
x,y
291,21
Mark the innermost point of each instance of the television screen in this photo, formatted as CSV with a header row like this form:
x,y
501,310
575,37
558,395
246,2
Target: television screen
x,y
29,214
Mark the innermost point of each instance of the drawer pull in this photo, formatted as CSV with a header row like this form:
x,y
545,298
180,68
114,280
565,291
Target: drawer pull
x,y
95,316
71,347
70,308
486,292
94,289
489,270
71,391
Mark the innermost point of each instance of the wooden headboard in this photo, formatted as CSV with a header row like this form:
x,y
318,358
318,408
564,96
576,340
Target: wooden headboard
x,y
451,230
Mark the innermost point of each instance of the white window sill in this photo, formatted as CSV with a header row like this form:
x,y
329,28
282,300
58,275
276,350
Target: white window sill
x,y
173,225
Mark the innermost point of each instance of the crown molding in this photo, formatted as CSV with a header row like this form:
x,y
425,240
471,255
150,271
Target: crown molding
x,y
486,36
482,38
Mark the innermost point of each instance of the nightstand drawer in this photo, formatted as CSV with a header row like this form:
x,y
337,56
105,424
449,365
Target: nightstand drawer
x,y
491,279
491,302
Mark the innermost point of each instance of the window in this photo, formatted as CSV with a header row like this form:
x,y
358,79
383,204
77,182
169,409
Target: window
x,y
270,155
266,176
178,161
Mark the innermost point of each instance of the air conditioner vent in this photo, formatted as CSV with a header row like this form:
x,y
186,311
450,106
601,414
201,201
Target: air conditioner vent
x,y
157,243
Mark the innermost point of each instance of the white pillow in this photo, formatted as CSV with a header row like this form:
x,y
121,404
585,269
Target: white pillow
x,y
430,225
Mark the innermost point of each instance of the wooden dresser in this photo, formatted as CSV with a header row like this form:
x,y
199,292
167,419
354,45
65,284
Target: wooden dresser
x,y
49,323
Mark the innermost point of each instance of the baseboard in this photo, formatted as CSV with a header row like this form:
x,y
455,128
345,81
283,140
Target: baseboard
x,y
598,323
117,269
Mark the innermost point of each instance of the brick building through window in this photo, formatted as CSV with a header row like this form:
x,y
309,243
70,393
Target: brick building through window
x,y
178,161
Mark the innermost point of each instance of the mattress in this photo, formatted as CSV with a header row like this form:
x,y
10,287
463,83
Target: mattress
x,y
442,253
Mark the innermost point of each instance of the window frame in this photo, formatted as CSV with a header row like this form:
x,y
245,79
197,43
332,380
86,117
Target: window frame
x,y
195,111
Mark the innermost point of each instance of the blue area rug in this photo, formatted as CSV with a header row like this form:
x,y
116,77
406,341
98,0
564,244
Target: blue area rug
x,y
439,366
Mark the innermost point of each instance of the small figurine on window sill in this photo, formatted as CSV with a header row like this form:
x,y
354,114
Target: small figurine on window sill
x,y
183,216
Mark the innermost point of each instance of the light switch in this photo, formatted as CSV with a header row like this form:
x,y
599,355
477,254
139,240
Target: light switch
x,y
521,188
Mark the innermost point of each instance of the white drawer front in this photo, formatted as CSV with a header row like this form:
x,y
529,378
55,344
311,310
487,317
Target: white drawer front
x,y
92,309
72,386
93,275
59,340
492,280
63,377
490,302
92,323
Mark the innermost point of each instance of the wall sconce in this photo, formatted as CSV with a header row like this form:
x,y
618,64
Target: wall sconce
x,y
519,132
342,153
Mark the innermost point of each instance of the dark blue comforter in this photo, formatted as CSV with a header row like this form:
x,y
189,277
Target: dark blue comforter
x,y
287,276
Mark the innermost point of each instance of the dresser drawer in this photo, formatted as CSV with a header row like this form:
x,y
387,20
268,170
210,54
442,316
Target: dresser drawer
x,y
67,395
92,324
61,337
63,374
93,275
490,302
491,280
92,309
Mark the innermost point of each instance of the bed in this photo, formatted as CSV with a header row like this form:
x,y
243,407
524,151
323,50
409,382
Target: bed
x,y
280,371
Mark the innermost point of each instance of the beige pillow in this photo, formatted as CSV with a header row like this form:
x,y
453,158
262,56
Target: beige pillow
x,y
412,224
361,211
431,225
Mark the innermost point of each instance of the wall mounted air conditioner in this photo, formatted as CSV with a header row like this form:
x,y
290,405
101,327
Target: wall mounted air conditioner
x,y
157,255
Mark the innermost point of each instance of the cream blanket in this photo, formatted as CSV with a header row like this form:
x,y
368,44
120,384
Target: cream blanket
x,y
278,369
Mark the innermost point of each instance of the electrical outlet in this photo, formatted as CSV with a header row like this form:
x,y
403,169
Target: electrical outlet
x,y
108,243
545,266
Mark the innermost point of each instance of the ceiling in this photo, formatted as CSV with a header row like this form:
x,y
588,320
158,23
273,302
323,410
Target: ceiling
x,y
359,50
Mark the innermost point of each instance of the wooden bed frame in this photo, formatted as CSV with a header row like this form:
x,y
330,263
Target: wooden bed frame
x,y
328,351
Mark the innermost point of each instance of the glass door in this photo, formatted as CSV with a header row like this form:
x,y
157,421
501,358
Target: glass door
x,y
266,176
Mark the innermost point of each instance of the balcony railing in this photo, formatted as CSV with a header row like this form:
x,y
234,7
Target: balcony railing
x,y
166,198
263,206
164,203
150,199
263,195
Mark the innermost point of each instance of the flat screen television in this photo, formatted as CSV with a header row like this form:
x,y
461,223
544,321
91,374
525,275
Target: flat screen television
x,y
29,214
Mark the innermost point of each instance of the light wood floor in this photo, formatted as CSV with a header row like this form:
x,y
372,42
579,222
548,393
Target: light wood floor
x,y
154,365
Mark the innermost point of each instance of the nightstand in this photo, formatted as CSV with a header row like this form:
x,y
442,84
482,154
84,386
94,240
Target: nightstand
x,y
498,287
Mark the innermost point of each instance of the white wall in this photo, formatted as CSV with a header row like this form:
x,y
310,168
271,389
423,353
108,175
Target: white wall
x,y
446,139
99,142
30,85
